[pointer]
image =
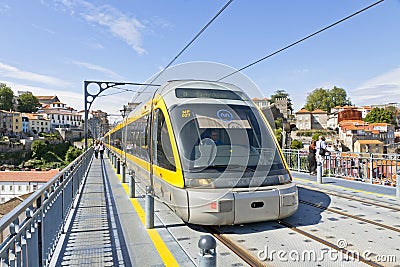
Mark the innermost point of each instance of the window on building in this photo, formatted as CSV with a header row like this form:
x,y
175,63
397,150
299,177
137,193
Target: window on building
x,y
11,187
3,188
19,188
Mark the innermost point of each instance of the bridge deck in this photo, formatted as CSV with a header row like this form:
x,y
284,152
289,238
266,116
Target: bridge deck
x,y
105,229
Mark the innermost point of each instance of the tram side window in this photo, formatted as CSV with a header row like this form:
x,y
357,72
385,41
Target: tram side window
x,y
163,149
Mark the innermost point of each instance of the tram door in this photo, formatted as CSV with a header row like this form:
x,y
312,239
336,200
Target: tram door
x,y
162,148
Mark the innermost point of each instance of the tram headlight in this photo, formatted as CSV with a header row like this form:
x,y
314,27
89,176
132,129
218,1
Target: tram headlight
x,y
200,182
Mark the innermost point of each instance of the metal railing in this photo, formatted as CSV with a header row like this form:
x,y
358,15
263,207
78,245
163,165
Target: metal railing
x,y
371,168
30,232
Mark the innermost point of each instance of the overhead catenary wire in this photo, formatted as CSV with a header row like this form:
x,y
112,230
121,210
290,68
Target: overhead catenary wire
x,y
301,40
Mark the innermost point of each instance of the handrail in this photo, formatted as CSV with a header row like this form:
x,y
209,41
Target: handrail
x,y
372,168
39,220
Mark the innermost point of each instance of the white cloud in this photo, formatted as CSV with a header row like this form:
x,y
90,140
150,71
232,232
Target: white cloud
x,y
123,26
72,99
43,29
380,89
4,8
98,68
15,73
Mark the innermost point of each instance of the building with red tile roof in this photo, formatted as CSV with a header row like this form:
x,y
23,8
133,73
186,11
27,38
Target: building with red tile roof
x,y
16,183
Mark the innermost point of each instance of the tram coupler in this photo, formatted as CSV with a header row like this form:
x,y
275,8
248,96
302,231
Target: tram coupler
x,y
132,186
149,208
319,172
208,251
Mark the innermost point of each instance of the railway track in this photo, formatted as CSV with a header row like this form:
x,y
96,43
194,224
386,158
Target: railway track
x,y
364,200
336,247
319,206
243,253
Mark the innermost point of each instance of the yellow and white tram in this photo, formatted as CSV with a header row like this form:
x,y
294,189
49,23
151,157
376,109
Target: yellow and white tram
x,y
170,142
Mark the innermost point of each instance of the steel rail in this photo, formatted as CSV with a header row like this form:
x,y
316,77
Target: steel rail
x,y
359,199
238,250
350,216
328,244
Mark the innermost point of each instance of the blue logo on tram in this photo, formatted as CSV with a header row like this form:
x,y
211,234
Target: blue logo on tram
x,y
224,115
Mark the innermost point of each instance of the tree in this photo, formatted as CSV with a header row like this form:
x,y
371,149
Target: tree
x,y
278,136
296,144
380,115
72,154
6,97
38,148
28,103
326,99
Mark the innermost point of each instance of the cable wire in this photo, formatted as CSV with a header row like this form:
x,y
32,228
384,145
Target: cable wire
x,y
301,40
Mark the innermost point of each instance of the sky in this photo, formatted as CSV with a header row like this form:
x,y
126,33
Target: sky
x,y
50,47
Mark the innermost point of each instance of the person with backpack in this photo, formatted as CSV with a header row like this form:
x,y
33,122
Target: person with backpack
x,y
321,149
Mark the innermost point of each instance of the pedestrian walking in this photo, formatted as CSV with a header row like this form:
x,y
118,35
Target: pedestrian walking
x,y
101,149
96,148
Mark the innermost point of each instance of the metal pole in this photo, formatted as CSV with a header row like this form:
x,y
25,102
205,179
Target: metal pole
x,y
371,169
398,185
123,178
397,180
298,161
118,166
86,116
149,208
208,251
319,172
132,185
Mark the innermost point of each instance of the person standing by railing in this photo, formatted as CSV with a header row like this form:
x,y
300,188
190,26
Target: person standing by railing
x,y
312,161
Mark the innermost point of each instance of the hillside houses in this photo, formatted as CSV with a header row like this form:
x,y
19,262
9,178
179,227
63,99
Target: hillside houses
x,y
352,131
51,116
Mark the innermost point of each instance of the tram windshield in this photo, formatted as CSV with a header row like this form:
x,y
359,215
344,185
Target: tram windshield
x,y
219,137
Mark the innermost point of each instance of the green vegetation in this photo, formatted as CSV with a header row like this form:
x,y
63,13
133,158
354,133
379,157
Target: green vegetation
x,y
380,115
46,155
278,136
27,102
326,99
6,97
296,144
42,155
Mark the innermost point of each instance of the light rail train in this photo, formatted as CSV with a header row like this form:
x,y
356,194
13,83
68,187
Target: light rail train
x,y
209,154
